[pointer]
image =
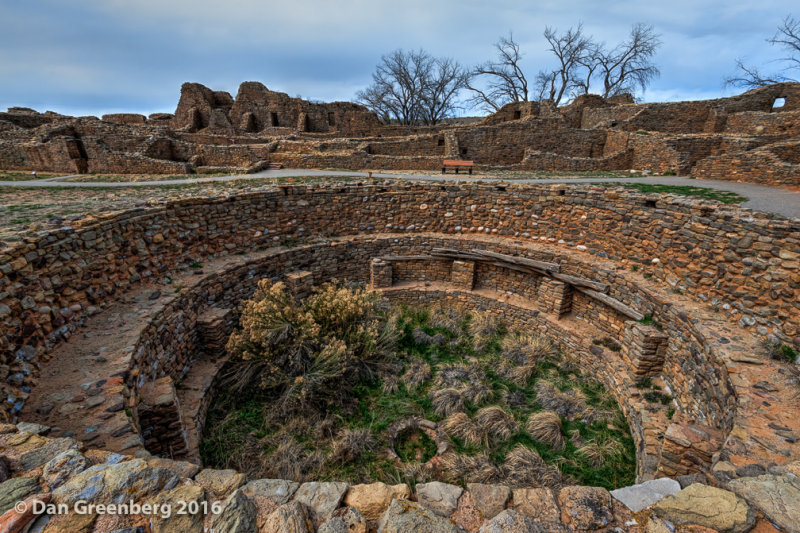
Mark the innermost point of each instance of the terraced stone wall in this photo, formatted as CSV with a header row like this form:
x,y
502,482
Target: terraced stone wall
x,y
745,264
167,346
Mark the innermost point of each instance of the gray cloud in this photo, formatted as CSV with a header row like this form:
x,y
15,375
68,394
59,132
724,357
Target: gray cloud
x,y
91,56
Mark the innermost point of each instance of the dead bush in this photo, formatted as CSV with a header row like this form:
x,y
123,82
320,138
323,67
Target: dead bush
x,y
476,393
458,468
525,349
525,468
545,426
461,426
482,327
516,399
568,404
351,444
418,372
446,401
496,422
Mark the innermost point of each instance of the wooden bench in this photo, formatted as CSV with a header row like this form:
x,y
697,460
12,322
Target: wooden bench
x,y
450,163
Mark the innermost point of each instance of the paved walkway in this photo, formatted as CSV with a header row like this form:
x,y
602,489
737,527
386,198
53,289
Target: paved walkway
x,y
760,198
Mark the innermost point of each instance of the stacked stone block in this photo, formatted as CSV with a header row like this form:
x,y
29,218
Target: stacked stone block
x,y
213,329
300,283
160,422
555,297
688,448
463,274
643,348
380,274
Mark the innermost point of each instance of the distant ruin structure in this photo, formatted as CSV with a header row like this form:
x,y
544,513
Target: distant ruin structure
x,y
752,137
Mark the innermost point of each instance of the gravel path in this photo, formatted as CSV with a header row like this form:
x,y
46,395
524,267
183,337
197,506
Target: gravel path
x,y
760,198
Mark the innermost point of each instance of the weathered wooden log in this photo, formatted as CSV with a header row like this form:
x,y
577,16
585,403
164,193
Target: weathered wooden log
x,y
581,282
613,303
522,261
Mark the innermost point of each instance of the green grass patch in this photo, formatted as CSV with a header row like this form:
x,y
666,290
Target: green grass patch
x,y
499,386
725,197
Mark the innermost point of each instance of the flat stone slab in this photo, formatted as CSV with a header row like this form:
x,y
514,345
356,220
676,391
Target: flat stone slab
x,y
778,497
643,495
441,498
706,506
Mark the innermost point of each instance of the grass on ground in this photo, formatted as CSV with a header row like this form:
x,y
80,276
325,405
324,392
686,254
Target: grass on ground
x,y
24,175
512,411
725,197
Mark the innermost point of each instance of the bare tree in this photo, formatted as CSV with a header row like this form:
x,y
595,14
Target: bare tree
x,y
413,87
787,36
440,91
629,64
572,49
504,79
397,85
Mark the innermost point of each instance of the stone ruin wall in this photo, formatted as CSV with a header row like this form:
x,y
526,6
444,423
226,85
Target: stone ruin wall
x,y
734,138
736,258
746,266
256,109
746,263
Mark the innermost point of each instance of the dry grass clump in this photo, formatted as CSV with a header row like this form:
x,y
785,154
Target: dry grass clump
x,y
516,399
545,426
458,468
595,414
461,426
418,372
482,327
390,383
351,444
523,349
420,337
524,467
446,401
457,375
447,318
496,422
290,461
419,472
597,454
568,404
476,393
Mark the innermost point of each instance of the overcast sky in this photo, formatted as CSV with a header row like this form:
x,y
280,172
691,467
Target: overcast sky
x,y
103,56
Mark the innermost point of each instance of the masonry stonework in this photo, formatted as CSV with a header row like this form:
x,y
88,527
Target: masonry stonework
x,y
743,138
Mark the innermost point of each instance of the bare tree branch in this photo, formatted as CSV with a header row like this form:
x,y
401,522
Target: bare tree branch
x,y
441,87
787,36
504,79
571,50
749,77
413,87
629,64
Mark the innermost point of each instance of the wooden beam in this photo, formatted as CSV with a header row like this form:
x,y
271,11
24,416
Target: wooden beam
x,y
392,258
523,261
613,303
581,282
456,254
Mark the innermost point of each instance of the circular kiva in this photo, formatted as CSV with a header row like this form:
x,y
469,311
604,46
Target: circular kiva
x,y
681,291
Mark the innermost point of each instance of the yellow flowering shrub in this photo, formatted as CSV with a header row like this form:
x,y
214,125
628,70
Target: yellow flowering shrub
x,y
311,352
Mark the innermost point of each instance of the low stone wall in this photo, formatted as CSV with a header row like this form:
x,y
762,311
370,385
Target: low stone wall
x,y
774,164
743,263
692,371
